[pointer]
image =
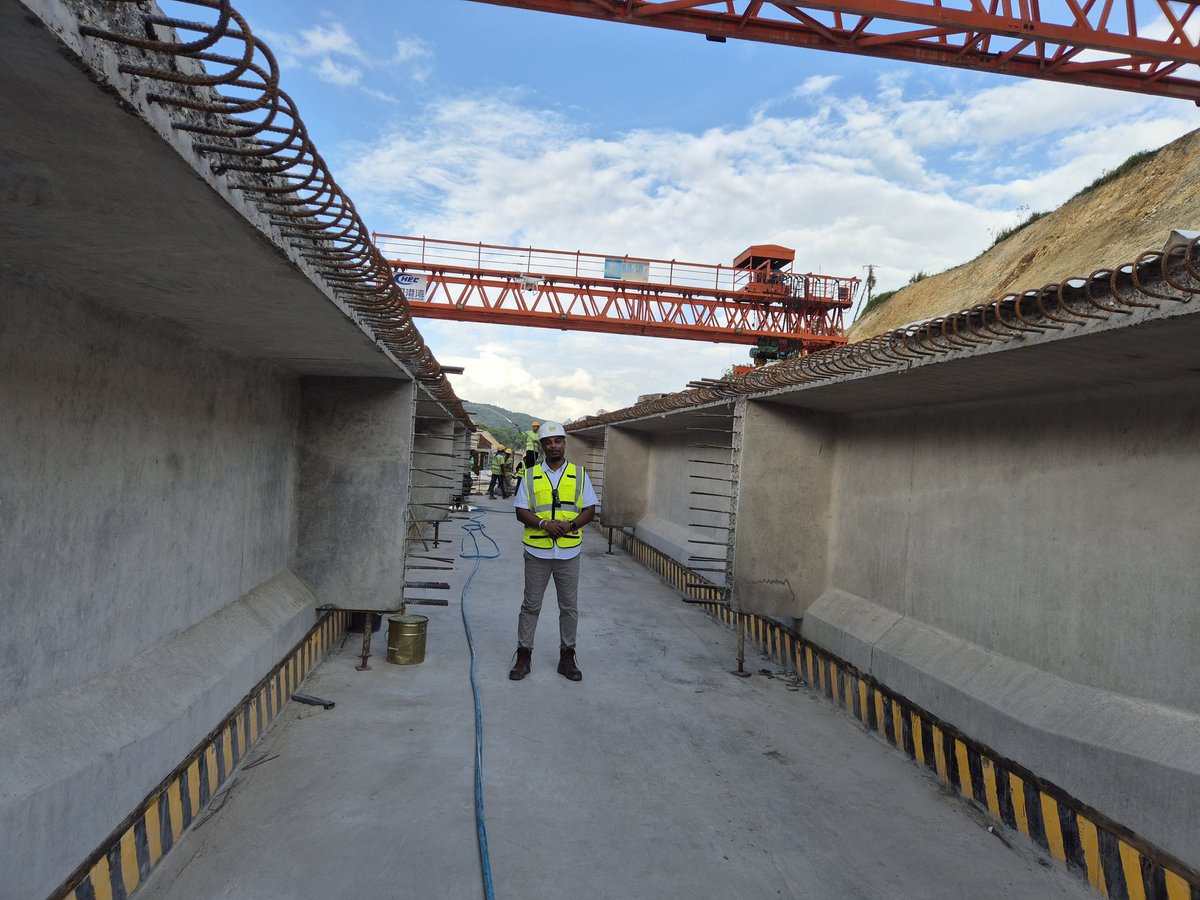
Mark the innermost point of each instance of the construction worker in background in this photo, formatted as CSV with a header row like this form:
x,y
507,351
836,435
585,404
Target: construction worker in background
x,y
555,501
531,444
518,474
499,476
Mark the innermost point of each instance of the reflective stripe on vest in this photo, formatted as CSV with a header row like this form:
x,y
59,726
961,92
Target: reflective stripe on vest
x,y
547,503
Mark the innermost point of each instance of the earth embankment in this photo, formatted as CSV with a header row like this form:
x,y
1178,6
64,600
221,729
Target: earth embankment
x,y
1102,228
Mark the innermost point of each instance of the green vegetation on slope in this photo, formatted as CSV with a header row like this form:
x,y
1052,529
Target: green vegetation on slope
x,y
1112,174
880,299
1005,233
503,424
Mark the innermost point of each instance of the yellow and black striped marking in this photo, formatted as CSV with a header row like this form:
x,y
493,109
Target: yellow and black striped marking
x,y
126,857
1115,862
667,568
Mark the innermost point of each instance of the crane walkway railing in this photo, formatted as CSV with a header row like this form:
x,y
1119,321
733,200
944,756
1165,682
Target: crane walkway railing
x,y
537,264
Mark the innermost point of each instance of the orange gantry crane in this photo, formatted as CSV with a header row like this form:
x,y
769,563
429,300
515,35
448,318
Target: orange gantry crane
x,y
1146,46
756,300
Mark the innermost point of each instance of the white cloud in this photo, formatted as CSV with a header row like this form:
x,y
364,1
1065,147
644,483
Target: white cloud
x,y
334,73
815,84
416,56
316,43
567,375
334,55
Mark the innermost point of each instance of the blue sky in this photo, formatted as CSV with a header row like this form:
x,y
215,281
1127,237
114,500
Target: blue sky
x,y
463,121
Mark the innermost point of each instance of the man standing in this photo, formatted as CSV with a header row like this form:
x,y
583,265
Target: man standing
x,y
555,501
531,444
499,476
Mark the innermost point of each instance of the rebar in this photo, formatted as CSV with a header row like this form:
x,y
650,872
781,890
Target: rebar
x,y
1071,304
283,176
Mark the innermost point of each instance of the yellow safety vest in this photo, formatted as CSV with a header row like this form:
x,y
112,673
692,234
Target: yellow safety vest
x,y
547,503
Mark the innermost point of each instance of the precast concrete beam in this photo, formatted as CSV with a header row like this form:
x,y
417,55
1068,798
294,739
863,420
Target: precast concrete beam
x,y
100,196
994,518
155,324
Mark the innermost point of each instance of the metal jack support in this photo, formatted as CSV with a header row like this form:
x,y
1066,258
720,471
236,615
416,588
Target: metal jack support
x,y
740,671
364,666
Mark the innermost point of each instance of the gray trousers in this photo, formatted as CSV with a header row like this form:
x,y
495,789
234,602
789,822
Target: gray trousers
x,y
566,586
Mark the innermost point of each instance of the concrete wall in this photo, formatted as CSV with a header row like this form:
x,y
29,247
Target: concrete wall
x,y
147,482
671,483
356,451
627,483
436,470
785,485
676,484
587,449
1025,571
157,499
146,530
1056,531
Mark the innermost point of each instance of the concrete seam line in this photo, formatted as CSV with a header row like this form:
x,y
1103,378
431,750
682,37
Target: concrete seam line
x,y
875,643
131,851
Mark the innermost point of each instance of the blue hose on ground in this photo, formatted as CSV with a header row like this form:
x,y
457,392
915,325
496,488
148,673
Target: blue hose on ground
x,y
475,530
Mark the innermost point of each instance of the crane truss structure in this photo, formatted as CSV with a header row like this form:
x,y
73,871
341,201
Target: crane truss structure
x,y
1145,46
579,291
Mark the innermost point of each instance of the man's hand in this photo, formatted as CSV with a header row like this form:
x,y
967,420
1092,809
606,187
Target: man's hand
x,y
556,528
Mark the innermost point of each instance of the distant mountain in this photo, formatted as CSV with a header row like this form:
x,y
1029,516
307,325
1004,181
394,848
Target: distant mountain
x,y
504,424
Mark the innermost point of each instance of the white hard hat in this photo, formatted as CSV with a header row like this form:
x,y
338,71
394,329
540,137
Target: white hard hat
x,y
551,429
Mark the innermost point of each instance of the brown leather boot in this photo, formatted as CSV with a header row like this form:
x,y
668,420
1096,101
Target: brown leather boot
x,y
522,660
566,664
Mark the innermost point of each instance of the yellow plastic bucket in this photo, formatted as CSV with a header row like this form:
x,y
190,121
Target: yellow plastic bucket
x,y
406,640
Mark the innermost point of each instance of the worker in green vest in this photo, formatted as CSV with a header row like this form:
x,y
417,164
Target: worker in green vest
x,y
554,503
531,444
499,475
518,474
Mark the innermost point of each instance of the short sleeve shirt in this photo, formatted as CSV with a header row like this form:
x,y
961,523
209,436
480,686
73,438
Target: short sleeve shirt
x,y
521,501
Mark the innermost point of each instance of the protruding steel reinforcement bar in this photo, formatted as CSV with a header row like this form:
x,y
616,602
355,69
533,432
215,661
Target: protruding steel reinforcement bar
x,y
283,176
1071,303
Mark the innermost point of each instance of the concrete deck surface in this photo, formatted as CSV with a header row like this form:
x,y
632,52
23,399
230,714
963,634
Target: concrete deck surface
x,y
660,775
